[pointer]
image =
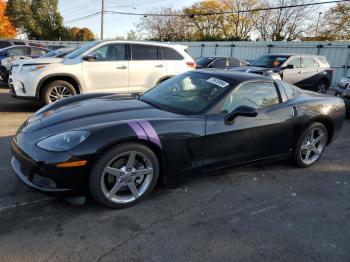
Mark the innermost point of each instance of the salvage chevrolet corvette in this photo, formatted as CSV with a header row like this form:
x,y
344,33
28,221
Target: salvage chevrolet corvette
x,y
117,147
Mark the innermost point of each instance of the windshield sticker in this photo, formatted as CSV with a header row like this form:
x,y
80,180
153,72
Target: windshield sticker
x,y
218,82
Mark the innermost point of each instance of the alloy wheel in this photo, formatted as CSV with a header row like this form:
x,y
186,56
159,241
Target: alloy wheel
x,y
59,92
322,87
126,177
313,146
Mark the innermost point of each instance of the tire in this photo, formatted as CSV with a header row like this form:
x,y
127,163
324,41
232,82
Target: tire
x,y
57,90
305,145
114,189
322,86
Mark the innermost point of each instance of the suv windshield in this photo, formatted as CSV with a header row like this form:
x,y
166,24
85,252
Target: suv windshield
x,y
269,61
189,93
82,49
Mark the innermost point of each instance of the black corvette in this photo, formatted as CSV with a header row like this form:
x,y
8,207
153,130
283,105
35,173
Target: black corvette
x,y
118,147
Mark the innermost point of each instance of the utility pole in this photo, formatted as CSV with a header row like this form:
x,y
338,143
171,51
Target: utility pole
x,y
318,20
102,17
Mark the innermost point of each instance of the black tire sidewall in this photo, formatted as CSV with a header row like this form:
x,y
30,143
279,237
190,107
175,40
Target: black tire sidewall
x,y
297,157
47,89
97,171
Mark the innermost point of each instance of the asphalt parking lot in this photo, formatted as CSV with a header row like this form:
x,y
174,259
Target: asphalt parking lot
x,y
271,212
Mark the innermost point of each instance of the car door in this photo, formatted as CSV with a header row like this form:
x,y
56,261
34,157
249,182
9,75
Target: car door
x,y
292,75
108,70
146,67
249,138
310,72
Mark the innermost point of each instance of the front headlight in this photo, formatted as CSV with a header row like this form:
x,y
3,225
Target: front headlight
x,y
64,141
32,68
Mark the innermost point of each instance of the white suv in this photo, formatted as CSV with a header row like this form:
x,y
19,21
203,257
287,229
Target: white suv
x,y
99,66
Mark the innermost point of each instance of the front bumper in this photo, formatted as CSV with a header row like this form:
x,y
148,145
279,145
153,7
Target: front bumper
x,y
46,177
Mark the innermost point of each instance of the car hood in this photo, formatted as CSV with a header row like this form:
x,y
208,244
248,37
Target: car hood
x,y
47,60
96,111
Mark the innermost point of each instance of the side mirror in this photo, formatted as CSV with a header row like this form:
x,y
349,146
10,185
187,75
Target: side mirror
x,y
241,111
289,67
90,58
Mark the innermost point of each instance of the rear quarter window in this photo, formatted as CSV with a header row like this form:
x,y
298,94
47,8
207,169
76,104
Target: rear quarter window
x,y
171,54
324,61
291,90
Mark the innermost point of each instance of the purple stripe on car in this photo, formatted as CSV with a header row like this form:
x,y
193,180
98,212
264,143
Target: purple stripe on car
x,y
151,133
138,130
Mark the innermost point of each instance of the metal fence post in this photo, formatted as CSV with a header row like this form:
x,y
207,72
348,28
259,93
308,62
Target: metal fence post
x,y
216,46
319,46
202,46
346,66
269,46
231,50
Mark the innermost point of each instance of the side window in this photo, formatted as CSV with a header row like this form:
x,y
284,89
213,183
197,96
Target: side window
x,y
18,43
234,62
4,44
19,51
221,62
296,62
112,52
257,95
144,52
38,51
309,62
171,54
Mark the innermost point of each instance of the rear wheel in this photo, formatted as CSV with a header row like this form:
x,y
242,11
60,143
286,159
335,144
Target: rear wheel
x,y
124,175
311,145
322,86
57,90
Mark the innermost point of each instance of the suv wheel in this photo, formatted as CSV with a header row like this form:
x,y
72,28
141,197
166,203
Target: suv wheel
x,y
322,87
57,90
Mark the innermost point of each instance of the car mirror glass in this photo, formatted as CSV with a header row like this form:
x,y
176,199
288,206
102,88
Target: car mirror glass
x,y
90,58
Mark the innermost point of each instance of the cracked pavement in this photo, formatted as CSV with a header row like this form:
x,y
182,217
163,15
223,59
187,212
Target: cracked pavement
x,y
270,212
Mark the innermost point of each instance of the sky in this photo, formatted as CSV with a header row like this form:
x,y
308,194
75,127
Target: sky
x,y
115,25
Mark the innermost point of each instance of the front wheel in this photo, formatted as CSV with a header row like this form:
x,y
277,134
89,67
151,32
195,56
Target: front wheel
x,y
124,175
311,145
57,90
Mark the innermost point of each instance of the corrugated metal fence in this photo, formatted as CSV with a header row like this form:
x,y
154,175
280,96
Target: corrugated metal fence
x,y
337,52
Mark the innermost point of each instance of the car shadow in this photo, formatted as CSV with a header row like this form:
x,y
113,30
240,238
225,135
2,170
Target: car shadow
x,y
10,104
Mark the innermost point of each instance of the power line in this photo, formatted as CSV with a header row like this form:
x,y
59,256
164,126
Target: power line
x,y
192,15
230,12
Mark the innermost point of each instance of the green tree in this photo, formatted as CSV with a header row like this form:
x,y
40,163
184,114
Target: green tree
x,y
19,14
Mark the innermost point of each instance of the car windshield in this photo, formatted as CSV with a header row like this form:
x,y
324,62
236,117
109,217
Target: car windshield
x,y
188,93
269,61
77,52
51,54
204,61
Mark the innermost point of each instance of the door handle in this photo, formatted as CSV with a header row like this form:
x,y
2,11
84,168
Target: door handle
x,y
160,65
121,67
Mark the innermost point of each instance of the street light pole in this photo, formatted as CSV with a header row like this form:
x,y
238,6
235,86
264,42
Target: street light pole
x,y
102,17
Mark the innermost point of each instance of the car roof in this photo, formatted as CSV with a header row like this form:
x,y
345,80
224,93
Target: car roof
x,y
234,75
166,44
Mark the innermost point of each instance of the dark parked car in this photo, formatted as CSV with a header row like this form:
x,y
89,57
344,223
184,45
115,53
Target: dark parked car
x,y
311,72
219,62
10,42
343,90
118,147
